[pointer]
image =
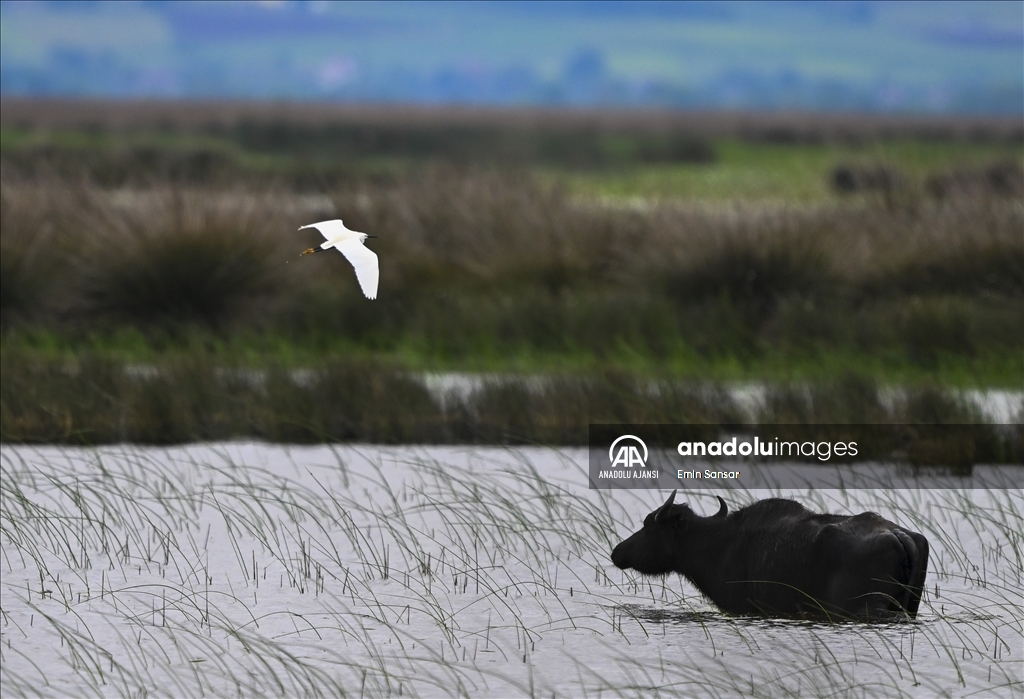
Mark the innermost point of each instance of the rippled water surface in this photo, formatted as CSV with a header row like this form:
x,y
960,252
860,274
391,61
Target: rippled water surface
x,y
255,570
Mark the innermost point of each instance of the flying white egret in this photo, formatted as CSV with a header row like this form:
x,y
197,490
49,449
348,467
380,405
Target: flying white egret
x,y
350,244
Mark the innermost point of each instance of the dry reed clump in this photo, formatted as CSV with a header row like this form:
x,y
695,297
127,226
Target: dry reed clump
x,y
749,260
204,276
182,256
147,258
492,231
28,261
969,247
484,263
479,228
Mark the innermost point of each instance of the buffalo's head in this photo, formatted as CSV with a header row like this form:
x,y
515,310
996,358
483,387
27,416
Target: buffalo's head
x,y
655,549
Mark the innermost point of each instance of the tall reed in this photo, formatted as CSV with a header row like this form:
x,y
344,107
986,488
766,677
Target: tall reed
x,y
480,263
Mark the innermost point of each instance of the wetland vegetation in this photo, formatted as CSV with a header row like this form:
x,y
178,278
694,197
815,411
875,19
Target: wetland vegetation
x,y
655,247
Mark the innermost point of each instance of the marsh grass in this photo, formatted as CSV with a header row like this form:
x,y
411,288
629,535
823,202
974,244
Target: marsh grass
x,y
31,258
349,400
480,263
558,411
95,399
23,271
310,156
175,257
175,226
203,276
233,569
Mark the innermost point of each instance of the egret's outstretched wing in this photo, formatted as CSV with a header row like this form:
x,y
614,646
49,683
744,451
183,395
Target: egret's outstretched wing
x,y
364,261
328,229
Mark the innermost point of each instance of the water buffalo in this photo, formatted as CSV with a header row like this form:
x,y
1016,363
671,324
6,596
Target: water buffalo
x,y
777,558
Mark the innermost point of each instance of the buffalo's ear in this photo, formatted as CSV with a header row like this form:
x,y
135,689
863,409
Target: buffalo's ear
x,y
723,510
662,512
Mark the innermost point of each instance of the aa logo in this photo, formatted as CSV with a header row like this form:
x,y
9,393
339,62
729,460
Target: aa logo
x,y
628,455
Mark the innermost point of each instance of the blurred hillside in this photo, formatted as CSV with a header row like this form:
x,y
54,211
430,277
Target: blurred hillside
x,y
925,57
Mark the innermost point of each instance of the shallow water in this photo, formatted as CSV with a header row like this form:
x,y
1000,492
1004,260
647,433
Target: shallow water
x,y
257,570
998,406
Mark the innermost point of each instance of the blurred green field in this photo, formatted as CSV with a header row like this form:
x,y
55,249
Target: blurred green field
x,y
770,172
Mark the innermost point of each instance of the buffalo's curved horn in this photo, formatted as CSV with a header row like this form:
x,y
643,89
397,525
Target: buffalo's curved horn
x,y
724,509
662,512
